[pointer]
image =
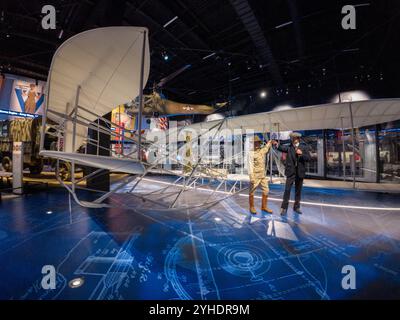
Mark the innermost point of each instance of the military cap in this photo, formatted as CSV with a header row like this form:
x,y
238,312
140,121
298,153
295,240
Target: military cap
x,y
294,135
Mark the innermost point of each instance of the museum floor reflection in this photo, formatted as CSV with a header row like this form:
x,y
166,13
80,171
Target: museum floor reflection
x,y
220,253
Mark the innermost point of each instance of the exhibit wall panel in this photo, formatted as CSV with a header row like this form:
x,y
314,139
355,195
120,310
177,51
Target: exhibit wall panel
x,y
21,97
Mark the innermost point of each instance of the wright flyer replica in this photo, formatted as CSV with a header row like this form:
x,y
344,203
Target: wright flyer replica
x,y
91,73
97,70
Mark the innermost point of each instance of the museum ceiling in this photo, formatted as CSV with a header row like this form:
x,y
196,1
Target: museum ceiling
x,y
296,50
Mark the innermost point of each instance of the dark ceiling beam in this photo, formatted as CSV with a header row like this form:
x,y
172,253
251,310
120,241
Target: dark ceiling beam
x,y
298,35
188,30
106,13
193,15
26,73
23,62
20,16
155,24
36,39
158,45
159,28
250,22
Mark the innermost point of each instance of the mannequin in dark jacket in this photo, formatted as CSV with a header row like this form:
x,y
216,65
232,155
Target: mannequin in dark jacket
x,y
297,156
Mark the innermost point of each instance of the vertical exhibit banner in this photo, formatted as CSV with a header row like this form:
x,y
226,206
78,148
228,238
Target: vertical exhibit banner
x,y
21,97
27,96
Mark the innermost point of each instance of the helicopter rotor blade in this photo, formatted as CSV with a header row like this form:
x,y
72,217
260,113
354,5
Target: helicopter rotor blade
x,y
164,80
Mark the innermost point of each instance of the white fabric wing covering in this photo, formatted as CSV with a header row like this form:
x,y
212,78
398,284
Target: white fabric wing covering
x,y
106,64
327,116
102,162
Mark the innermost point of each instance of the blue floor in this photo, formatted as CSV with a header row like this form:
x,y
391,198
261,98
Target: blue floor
x,y
222,253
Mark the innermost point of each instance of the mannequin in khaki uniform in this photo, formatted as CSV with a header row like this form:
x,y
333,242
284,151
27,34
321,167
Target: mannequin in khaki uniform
x,y
30,103
257,174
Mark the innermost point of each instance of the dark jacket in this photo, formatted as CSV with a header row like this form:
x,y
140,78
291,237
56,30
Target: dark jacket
x,y
295,164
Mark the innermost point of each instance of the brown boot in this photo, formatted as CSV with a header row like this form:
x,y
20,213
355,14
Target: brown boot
x,y
264,206
251,204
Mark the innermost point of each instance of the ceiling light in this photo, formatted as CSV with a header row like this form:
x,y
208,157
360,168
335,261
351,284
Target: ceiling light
x,y
351,50
263,94
361,5
283,24
170,21
76,283
49,212
217,219
208,56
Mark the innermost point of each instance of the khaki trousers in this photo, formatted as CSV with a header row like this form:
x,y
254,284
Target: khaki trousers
x,y
263,182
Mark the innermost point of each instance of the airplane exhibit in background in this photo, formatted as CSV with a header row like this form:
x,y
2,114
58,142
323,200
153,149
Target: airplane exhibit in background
x,y
156,104
96,70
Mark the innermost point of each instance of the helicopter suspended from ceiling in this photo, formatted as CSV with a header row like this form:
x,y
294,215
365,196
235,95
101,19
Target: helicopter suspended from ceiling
x,y
156,104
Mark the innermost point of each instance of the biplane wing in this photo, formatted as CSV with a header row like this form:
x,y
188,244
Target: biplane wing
x,y
101,162
326,116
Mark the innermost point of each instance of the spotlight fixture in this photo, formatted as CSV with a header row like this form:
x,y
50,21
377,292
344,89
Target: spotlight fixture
x,y
263,94
49,212
76,282
165,56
